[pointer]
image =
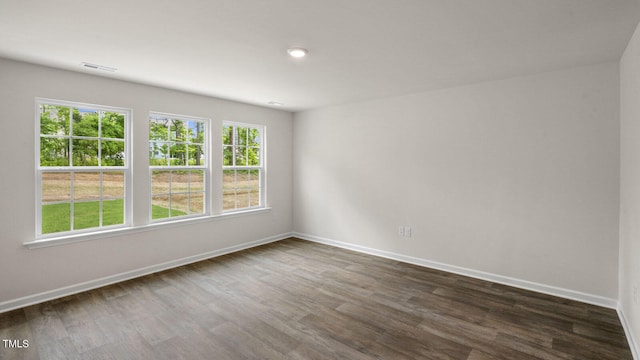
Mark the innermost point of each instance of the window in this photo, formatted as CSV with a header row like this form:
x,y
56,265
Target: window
x,y
179,168
83,172
243,166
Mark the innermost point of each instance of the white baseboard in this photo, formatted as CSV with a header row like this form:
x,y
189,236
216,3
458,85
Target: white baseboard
x,y
505,280
635,351
93,284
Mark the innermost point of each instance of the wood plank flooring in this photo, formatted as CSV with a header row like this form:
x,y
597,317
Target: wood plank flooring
x,y
295,299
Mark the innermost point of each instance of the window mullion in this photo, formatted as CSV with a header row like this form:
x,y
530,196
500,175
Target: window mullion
x,y
188,190
169,195
235,189
100,115
70,136
249,184
101,209
235,145
167,155
72,199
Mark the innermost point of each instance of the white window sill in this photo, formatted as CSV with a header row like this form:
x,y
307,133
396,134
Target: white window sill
x,y
69,239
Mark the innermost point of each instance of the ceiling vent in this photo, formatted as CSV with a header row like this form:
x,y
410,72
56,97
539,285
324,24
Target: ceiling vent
x,y
98,67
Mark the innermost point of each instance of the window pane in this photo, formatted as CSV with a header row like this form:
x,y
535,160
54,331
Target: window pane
x,y
85,122
86,215
196,132
56,218
196,203
179,204
160,182
112,153
56,187
254,137
229,179
54,152
113,185
227,135
253,156
158,152
227,153
228,189
112,125
54,120
179,181
177,130
242,179
228,199
243,133
196,180
188,154
158,129
254,199
196,155
113,212
254,187
242,198
159,207
241,156
178,154
85,152
86,186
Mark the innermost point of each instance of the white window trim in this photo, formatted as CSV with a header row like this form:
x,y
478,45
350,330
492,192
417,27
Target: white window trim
x,y
262,167
128,209
205,168
214,163
181,221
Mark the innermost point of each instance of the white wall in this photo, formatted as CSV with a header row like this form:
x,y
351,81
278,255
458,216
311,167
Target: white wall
x,y
25,272
630,186
518,178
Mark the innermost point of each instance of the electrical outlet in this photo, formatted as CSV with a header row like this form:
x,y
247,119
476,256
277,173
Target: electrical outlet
x,y
401,230
407,231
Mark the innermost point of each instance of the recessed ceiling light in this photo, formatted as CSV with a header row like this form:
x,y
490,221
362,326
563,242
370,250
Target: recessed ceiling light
x,y
275,103
297,52
98,67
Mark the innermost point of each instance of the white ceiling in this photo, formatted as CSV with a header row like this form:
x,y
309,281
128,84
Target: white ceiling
x,y
358,49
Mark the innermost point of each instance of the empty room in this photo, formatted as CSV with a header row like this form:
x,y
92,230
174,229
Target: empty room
x,y
356,179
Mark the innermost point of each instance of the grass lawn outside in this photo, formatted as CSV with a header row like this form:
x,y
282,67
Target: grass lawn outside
x,y
57,217
159,212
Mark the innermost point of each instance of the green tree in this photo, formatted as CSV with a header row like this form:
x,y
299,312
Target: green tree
x,y
90,131
243,144
112,127
54,145
159,136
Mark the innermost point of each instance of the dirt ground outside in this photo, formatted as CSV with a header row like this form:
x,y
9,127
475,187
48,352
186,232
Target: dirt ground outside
x,y
184,190
240,189
86,186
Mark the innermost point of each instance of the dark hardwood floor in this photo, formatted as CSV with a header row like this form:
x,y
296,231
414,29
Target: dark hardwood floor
x,y
299,300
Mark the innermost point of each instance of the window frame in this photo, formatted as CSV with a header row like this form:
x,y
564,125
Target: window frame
x,y
205,168
262,129
125,169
